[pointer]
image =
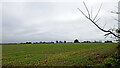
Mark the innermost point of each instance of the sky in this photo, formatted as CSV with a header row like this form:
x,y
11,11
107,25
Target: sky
x,y
51,20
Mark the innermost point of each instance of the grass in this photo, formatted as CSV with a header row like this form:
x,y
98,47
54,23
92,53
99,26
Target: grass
x,y
61,54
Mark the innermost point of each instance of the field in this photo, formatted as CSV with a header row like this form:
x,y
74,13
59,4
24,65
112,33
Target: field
x,y
57,54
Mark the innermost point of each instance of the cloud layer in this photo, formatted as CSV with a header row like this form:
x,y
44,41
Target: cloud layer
x,y
50,21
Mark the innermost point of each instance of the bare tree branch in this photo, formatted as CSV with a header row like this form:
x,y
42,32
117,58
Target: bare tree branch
x,y
104,26
83,13
86,9
116,19
107,34
94,22
97,13
97,20
115,12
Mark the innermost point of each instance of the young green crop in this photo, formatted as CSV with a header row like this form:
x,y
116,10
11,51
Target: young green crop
x,y
58,54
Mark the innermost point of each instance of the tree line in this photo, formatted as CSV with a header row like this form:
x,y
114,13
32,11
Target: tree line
x,y
75,41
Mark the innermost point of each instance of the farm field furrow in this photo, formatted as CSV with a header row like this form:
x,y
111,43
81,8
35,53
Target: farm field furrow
x,y
57,54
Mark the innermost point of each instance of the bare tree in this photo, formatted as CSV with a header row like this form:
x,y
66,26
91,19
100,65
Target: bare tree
x,y
115,33
94,20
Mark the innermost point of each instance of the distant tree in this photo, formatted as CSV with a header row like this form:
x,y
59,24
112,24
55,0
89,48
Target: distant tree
x,y
108,41
60,42
35,42
64,41
40,42
76,41
28,42
22,43
56,41
51,42
95,41
43,42
86,42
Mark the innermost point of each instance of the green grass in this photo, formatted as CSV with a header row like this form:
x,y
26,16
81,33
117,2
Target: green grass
x,y
61,54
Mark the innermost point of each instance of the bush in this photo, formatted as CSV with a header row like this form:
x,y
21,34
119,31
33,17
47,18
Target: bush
x,y
76,41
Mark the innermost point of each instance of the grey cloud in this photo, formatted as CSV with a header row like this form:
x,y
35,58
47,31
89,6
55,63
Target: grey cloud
x,y
48,21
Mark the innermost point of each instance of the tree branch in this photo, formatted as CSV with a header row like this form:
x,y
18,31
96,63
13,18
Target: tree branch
x,y
86,9
94,22
83,13
97,13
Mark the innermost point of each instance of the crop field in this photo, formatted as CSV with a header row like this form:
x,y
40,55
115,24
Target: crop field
x,y
57,54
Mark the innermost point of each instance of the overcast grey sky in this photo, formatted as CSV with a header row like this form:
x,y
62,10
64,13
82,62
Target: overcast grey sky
x,y
54,20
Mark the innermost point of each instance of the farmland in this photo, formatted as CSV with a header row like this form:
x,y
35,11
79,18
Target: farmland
x,y
57,54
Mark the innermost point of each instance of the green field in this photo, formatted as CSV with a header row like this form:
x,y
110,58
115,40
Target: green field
x,y
57,54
